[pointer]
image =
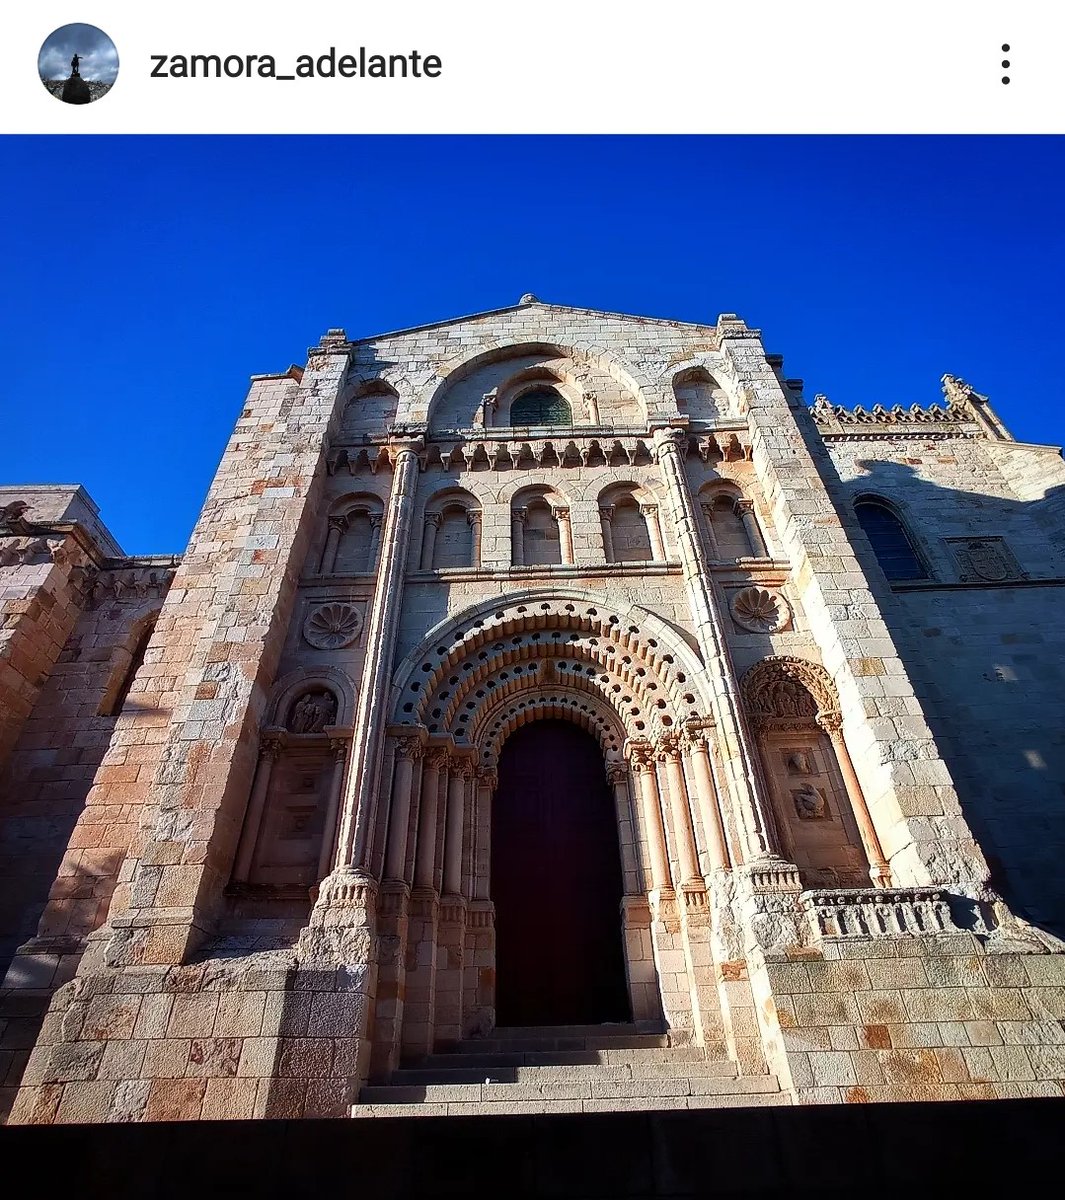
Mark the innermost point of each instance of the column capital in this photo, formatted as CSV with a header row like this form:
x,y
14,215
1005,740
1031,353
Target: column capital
x,y
641,755
338,745
697,732
561,513
437,757
668,748
488,776
271,746
606,511
616,772
339,522
648,508
743,505
409,746
434,519
405,447
473,517
668,439
519,514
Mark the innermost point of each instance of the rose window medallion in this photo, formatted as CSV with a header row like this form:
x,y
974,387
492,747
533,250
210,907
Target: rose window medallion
x,y
332,626
760,610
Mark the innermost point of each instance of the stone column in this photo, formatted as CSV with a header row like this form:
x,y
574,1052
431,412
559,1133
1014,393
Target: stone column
x,y
453,825
708,530
249,837
517,537
565,534
429,531
643,766
409,753
337,526
654,531
744,780
376,522
479,963
744,509
339,747
669,754
357,819
698,751
606,515
474,519
879,871
432,778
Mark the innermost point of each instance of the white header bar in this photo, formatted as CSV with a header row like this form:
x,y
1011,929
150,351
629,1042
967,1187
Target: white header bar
x,y
553,66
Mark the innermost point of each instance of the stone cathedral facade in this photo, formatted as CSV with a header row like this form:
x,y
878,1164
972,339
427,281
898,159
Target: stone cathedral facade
x,y
550,696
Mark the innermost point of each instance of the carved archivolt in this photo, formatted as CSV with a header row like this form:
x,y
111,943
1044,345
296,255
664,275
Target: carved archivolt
x,y
790,693
628,665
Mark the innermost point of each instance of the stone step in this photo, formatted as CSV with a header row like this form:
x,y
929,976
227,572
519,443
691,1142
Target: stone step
x,y
589,1041
506,1033
519,1073
746,1097
460,1059
568,1089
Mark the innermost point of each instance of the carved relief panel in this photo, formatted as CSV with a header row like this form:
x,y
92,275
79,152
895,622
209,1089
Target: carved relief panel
x,y
813,811
291,834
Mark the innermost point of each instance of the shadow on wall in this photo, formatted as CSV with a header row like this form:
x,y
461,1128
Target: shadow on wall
x,y
986,657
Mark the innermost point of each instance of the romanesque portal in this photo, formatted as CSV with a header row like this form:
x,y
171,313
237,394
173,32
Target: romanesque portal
x,y
549,713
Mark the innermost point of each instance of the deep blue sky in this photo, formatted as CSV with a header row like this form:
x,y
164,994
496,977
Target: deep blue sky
x,y
142,280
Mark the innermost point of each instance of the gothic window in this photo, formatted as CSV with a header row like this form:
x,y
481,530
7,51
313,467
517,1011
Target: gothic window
x,y
541,406
454,540
115,698
540,535
891,543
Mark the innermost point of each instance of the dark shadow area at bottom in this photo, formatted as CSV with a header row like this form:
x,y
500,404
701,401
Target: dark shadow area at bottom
x,y
941,1149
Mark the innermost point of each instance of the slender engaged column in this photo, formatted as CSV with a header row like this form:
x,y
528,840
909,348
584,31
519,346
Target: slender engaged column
x,y
643,765
487,781
339,747
517,537
617,775
328,563
376,522
363,783
249,836
456,801
408,754
879,871
741,764
745,511
606,515
432,777
474,519
654,531
708,529
698,749
680,808
432,524
565,533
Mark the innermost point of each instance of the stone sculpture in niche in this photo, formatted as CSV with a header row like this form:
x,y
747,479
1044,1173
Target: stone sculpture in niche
x,y
798,763
809,803
332,626
312,712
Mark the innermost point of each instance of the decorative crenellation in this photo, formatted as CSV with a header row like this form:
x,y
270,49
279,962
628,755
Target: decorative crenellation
x,y
128,584
879,912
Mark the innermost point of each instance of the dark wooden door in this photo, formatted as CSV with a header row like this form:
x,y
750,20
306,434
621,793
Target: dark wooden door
x,y
556,882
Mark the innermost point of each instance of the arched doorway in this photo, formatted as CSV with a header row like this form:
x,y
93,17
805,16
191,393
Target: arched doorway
x,y
556,882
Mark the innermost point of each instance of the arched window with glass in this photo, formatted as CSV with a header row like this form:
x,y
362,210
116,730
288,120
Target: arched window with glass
x,y
541,406
891,543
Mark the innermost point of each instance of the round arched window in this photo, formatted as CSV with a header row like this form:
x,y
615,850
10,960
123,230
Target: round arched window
x,y
541,406
891,543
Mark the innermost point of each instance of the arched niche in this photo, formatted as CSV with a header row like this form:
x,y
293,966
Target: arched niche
x,y
451,533
699,395
540,529
352,535
630,522
371,409
730,525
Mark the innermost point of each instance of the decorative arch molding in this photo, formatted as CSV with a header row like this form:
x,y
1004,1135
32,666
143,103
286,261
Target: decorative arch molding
x,y
788,693
540,640
501,718
647,394
287,689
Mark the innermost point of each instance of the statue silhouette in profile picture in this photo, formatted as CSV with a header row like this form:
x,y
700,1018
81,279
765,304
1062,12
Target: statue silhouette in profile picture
x,y
78,63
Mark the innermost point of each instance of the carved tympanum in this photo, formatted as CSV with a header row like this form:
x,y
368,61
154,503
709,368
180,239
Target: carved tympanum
x,y
787,692
332,626
312,712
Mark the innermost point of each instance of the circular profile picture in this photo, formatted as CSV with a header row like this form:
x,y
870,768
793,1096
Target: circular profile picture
x,y
78,63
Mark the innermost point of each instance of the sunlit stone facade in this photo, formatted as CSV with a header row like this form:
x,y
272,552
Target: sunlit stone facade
x,y
756,701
